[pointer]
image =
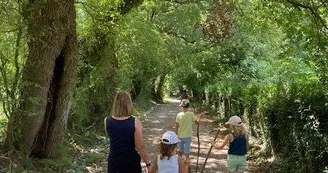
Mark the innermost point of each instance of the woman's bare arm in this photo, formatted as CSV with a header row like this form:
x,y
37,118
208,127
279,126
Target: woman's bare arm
x,y
154,168
105,125
139,143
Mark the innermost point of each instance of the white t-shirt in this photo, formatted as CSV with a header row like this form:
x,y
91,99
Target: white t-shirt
x,y
168,166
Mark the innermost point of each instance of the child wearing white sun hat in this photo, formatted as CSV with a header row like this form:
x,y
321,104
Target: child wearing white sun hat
x,y
167,161
238,145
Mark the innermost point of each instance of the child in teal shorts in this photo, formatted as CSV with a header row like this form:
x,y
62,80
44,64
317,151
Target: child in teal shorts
x,y
238,145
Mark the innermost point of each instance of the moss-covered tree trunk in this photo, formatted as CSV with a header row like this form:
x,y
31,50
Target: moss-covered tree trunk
x,y
251,111
157,88
48,78
99,75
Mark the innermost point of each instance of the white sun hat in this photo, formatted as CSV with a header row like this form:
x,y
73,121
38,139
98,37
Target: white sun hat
x,y
169,138
235,120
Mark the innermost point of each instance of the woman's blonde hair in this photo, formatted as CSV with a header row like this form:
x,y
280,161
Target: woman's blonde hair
x,y
122,105
167,150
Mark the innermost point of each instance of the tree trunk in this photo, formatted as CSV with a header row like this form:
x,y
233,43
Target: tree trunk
x,y
153,88
220,105
49,76
226,103
159,88
251,119
12,93
241,108
112,77
136,88
216,102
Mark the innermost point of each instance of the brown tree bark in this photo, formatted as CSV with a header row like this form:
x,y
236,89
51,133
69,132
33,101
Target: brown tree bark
x,y
48,78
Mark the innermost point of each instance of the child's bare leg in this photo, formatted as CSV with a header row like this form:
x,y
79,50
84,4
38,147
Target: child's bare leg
x,y
186,155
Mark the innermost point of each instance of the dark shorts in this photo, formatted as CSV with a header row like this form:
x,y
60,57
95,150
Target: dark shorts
x,y
127,162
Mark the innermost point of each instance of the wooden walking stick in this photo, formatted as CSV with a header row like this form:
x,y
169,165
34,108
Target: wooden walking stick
x,y
209,152
189,169
198,141
198,148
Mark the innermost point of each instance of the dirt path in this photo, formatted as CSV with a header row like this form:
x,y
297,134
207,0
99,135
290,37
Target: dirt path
x,y
162,118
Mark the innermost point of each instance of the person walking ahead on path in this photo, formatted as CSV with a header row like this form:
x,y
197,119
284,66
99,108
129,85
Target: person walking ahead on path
x,y
183,127
184,93
126,141
238,145
168,161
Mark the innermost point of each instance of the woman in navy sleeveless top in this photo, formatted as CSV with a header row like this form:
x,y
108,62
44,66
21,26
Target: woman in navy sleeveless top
x,y
125,134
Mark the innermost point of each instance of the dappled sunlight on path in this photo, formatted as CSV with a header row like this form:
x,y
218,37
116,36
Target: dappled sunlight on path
x,y
162,118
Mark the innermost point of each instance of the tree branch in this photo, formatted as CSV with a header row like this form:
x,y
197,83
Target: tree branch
x,y
179,36
17,68
297,4
205,48
312,9
6,85
182,2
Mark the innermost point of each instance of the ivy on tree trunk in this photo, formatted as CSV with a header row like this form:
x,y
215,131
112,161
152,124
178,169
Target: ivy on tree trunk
x,y
48,78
